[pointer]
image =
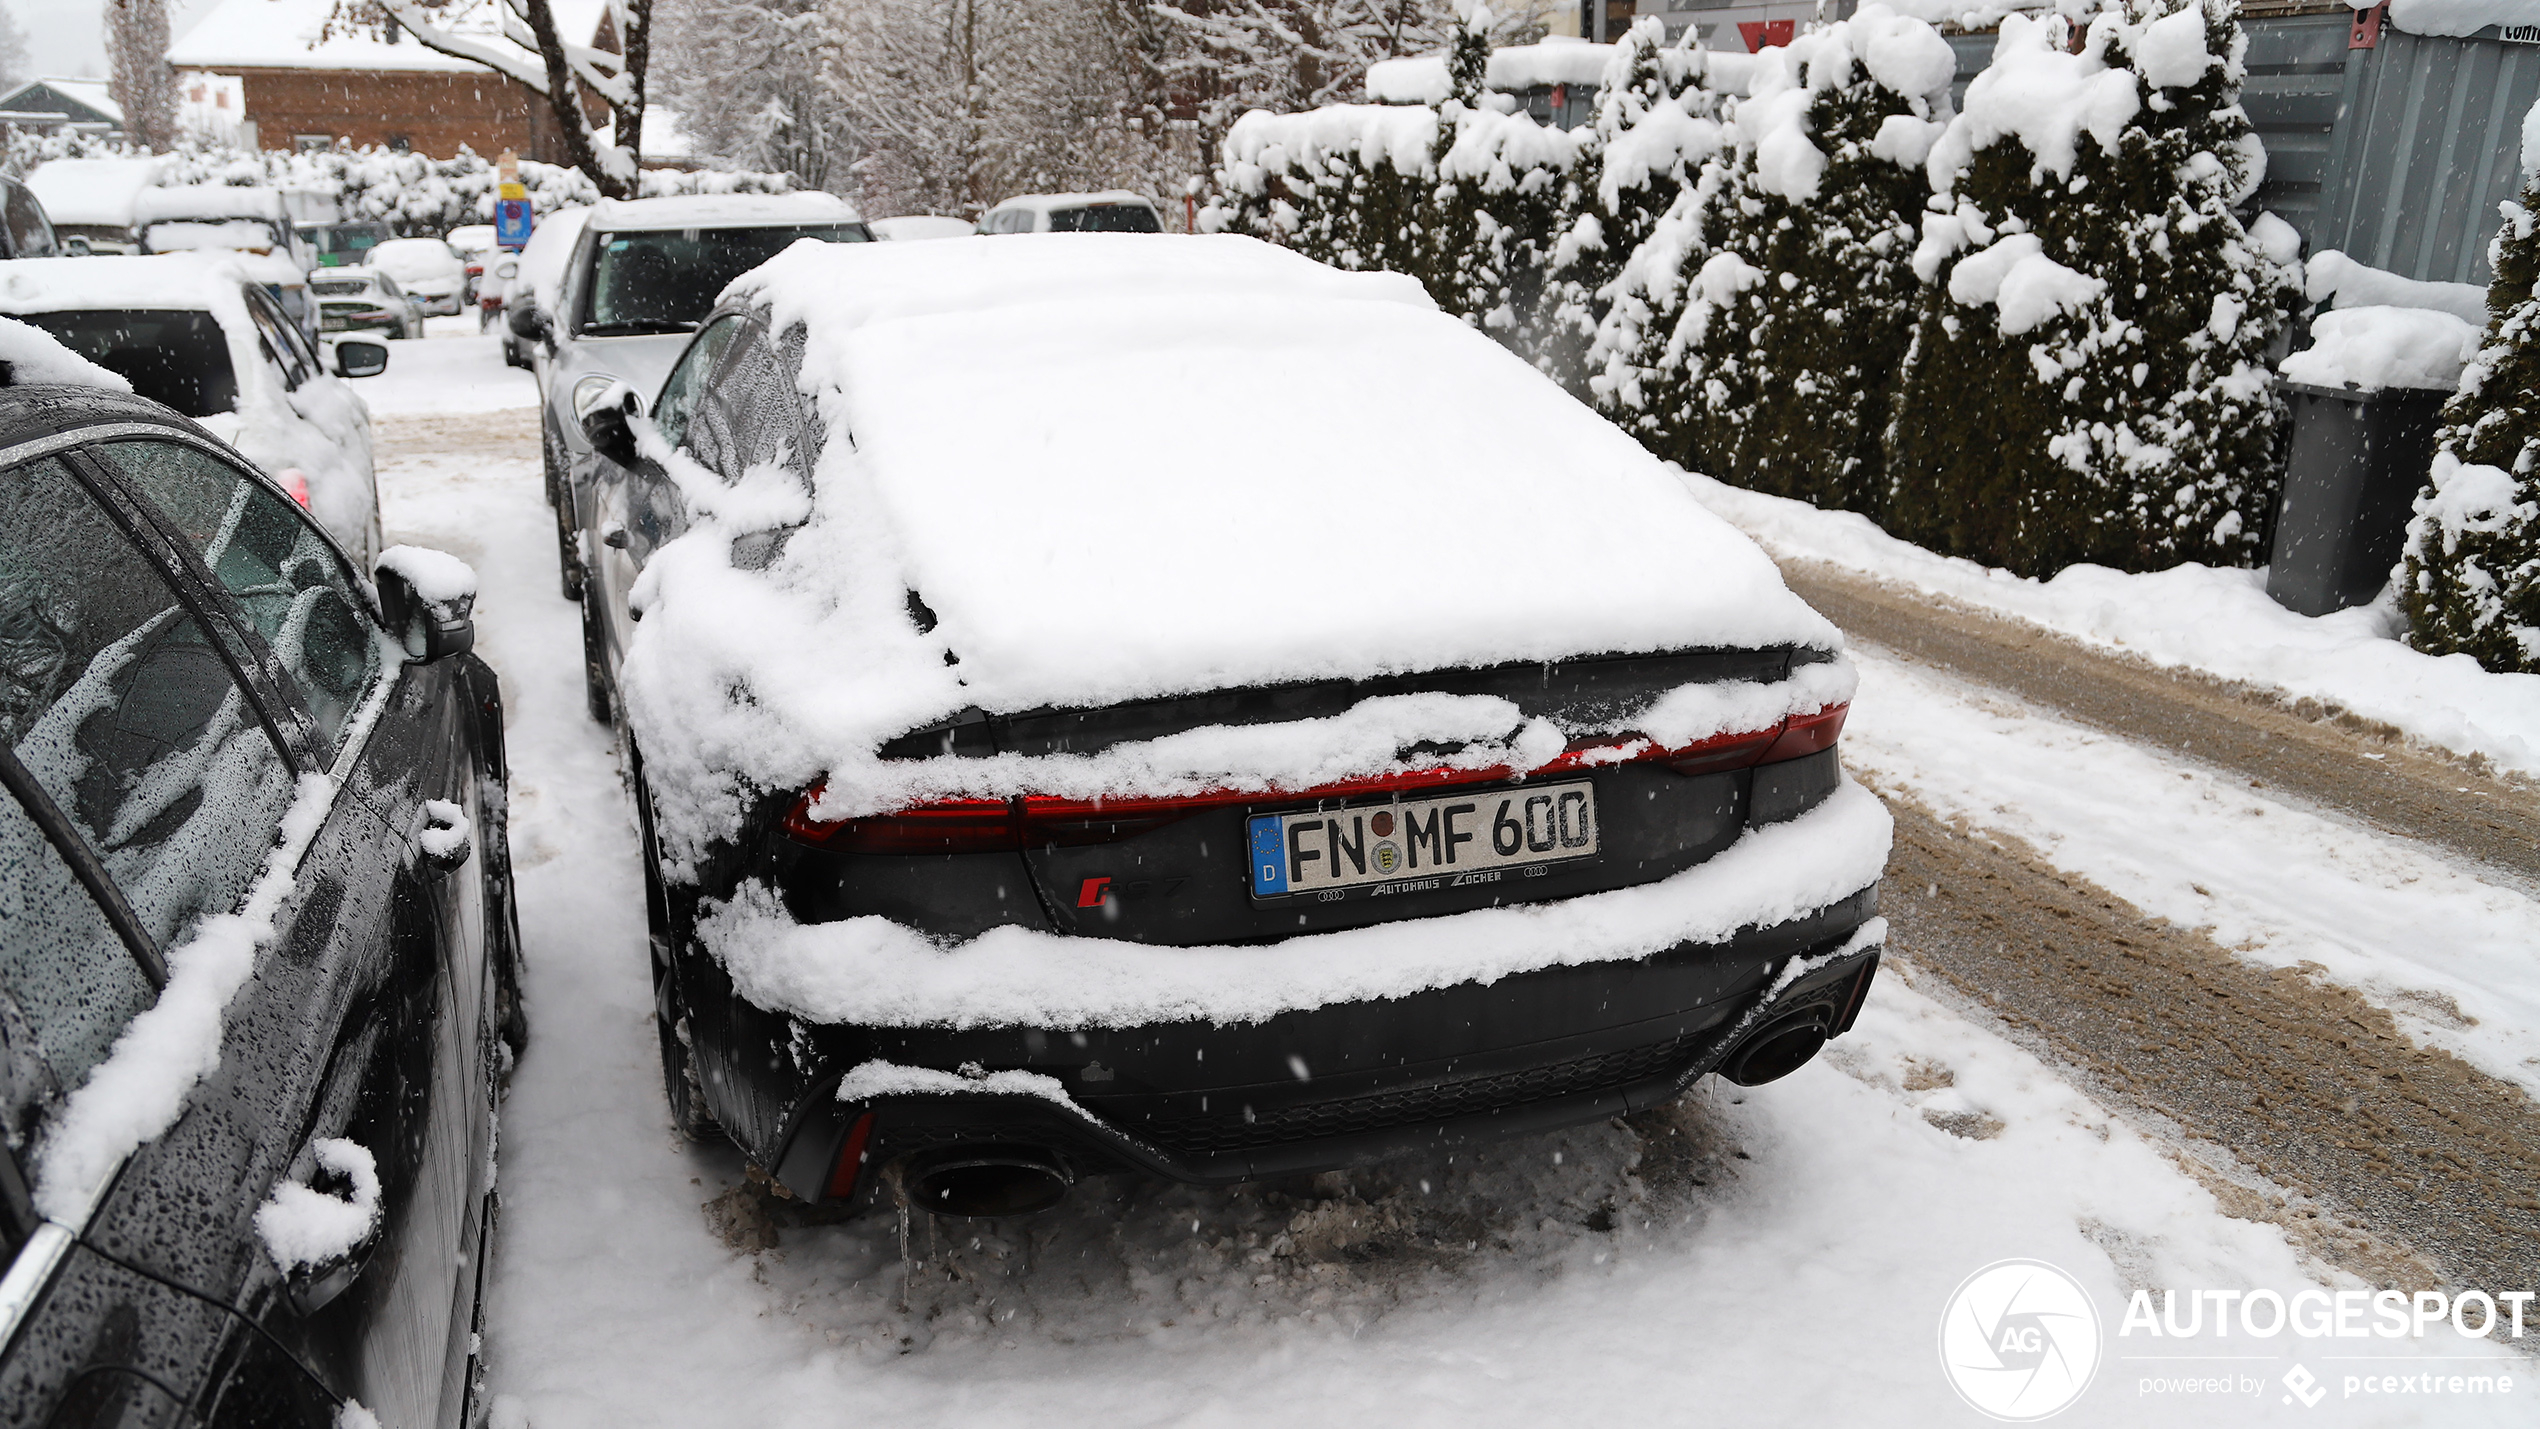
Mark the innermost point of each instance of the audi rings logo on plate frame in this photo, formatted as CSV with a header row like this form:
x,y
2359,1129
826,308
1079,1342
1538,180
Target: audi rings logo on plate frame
x,y
2020,1340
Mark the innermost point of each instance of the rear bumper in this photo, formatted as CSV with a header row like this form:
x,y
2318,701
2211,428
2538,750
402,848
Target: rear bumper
x,y
1454,1066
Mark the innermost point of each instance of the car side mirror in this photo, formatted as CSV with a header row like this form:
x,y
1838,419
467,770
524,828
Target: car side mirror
x,y
529,321
606,428
428,599
356,358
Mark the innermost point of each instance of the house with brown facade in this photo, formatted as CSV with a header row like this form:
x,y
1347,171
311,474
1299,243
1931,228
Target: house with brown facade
x,y
308,88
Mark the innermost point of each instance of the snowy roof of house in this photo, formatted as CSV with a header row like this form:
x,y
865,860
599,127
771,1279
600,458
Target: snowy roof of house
x,y
283,34
93,192
720,211
1559,59
90,94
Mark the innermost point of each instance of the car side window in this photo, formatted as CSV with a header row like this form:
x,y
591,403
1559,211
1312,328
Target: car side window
x,y
260,301
687,383
125,712
68,985
749,416
30,235
268,555
279,349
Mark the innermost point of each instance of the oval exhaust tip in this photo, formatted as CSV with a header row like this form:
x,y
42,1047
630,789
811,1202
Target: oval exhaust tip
x,y
985,1181
1776,1052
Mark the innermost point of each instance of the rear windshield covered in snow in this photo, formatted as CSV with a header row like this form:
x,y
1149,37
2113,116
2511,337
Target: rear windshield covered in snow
x,y
668,281
1105,218
171,355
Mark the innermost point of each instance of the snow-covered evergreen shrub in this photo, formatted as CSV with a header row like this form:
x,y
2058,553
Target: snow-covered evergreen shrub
x,y
2471,578
1631,167
2086,380
1463,197
1793,338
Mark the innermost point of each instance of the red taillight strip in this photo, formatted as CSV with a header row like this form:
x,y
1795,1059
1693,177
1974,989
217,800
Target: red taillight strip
x,y
842,1177
983,825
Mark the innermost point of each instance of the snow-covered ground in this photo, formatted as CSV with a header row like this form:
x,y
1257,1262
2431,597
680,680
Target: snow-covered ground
x,y
2450,954
2199,617
1777,1255
451,369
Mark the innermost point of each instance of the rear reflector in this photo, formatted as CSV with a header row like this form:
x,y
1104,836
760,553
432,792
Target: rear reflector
x,y
850,1165
1037,820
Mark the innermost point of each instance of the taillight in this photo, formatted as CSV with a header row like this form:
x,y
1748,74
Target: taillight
x,y
842,1177
1037,820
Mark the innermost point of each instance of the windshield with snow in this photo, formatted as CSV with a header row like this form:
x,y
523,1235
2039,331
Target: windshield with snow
x,y
668,281
171,355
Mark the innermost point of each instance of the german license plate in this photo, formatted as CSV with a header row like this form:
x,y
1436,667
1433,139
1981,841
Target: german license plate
x,y
1419,844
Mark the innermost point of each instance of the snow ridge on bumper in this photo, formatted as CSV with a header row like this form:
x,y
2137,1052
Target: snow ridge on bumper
x,y
872,972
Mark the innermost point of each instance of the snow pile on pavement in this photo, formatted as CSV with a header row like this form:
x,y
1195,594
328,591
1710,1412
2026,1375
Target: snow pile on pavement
x,y
2333,278
2378,347
29,354
301,1225
1166,467
2219,621
870,971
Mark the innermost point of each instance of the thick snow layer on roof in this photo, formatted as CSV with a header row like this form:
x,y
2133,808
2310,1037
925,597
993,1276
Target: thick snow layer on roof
x,y
93,191
2333,278
873,972
1125,466
1421,79
194,281
30,354
2458,17
412,259
1050,203
209,201
720,211
283,34
911,227
2377,347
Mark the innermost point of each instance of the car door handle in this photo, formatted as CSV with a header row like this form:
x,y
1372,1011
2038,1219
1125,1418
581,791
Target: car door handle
x,y
321,1239
614,536
447,839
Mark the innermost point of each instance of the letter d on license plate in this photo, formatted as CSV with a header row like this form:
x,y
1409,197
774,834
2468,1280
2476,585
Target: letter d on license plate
x,y
1482,837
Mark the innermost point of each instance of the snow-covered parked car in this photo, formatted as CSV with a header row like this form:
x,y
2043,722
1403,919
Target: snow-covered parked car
x,y
536,280
639,277
364,299
90,201
427,269
1098,704
253,224
913,227
259,975
1112,211
197,332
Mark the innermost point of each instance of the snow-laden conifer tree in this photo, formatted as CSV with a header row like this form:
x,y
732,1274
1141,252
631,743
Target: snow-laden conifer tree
x,y
2086,380
1796,332
2471,581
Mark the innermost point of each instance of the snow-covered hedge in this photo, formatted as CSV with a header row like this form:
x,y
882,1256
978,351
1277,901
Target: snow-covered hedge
x,y
2471,578
2087,380
414,195
2030,334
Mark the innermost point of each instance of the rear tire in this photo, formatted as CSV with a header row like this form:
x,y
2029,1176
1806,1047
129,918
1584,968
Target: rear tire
x,y
681,1091
573,576
598,690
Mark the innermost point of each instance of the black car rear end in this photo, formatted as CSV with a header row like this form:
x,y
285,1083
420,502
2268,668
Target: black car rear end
x,y
1308,1088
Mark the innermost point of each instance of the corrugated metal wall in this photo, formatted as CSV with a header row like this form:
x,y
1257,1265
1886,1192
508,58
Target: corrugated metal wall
x,y
2397,155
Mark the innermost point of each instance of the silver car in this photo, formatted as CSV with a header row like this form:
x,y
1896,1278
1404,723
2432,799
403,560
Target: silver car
x,y
641,275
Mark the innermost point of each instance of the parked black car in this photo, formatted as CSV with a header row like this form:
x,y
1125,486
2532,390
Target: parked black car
x,y
205,714
1201,1100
